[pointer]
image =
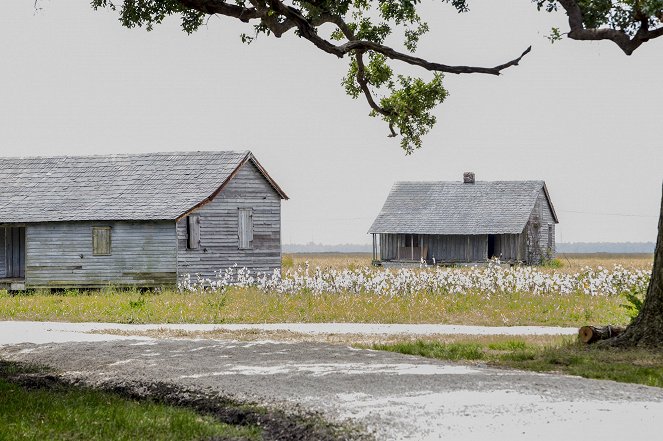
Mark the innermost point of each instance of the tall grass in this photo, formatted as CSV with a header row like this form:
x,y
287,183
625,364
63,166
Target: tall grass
x,y
345,290
251,305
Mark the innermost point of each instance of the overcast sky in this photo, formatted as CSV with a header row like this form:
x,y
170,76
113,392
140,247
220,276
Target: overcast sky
x,y
581,116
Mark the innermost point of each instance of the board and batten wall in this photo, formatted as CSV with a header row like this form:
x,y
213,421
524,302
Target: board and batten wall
x,y
219,224
444,248
142,254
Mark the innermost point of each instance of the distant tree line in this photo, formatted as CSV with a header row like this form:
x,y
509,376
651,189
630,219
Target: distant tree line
x,y
571,247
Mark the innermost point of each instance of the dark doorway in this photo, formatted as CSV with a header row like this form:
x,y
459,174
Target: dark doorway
x,y
15,252
491,246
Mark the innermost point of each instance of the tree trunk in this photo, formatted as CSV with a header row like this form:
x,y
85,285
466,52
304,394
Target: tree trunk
x,y
647,328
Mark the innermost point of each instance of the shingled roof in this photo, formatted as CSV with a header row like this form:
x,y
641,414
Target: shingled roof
x,y
149,186
484,207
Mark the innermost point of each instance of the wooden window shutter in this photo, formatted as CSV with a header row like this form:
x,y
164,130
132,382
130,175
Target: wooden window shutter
x,y
193,231
245,228
101,241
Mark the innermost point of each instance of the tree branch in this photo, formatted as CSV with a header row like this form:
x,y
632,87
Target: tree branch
x,y
416,61
220,7
625,42
363,84
309,32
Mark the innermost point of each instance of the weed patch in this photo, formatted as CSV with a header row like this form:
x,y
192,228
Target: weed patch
x,y
565,356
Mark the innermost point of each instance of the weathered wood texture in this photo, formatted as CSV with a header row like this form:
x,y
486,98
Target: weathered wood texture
x,y
14,251
3,261
142,254
219,228
450,248
510,247
540,231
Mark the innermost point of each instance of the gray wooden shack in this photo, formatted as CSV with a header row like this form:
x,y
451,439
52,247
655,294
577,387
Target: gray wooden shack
x,y
465,222
135,220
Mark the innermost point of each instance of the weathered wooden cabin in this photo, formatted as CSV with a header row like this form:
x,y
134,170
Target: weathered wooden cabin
x,y
140,220
465,222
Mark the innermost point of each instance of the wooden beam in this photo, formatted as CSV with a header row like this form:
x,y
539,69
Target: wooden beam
x,y
411,246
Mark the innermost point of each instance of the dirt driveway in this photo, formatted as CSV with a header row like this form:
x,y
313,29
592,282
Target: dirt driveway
x,y
396,397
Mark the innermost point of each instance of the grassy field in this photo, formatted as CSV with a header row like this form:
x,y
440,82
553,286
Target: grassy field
x,y
248,305
60,412
251,305
558,355
568,262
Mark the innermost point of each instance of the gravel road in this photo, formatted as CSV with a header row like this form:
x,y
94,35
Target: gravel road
x,y
396,397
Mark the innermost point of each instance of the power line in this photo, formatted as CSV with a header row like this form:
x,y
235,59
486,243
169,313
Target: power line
x,y
609,214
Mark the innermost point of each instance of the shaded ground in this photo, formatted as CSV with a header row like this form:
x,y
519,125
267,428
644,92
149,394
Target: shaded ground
x,y
393,396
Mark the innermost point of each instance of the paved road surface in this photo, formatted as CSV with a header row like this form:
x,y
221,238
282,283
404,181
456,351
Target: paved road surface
x,y
395,396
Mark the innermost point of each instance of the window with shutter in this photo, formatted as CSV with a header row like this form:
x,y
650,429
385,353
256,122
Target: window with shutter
x,y
101,241
245,228
193,231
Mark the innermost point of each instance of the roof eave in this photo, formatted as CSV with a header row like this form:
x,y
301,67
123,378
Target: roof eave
x,y
550,204
247,157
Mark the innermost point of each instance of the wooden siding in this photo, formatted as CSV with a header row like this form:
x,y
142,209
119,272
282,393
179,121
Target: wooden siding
x,y
547,219
3,262
15,252
452,248
219,225
536,231
458,248
445,249
143,254
510,247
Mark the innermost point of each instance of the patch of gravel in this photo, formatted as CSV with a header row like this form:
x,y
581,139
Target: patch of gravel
x,y
343,339
394,396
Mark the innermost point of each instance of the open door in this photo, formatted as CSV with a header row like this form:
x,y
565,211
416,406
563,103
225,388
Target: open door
x,y
491,246
15,252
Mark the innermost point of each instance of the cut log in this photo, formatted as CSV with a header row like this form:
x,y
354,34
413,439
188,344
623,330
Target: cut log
x,y
591,334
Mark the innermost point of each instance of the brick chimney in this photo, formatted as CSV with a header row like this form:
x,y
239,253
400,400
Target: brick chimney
x,y
468,177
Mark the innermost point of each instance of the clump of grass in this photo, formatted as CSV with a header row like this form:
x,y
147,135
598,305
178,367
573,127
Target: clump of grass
x,y
287,262
60,412
445,351
552,263
564,356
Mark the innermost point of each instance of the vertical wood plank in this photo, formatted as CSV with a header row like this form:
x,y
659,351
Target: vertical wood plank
x,y
21,252
193,231
3,259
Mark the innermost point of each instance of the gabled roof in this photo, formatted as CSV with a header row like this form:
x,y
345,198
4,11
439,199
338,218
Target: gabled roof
x,y
148,186
485,207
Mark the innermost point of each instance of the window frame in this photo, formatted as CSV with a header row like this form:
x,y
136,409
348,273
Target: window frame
x,y
95,240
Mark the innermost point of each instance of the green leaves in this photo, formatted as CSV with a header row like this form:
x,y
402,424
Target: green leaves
x,y
622,15
147,13
555,35
409,108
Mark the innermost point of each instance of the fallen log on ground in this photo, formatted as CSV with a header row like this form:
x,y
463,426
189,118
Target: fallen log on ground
x,y
591,334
